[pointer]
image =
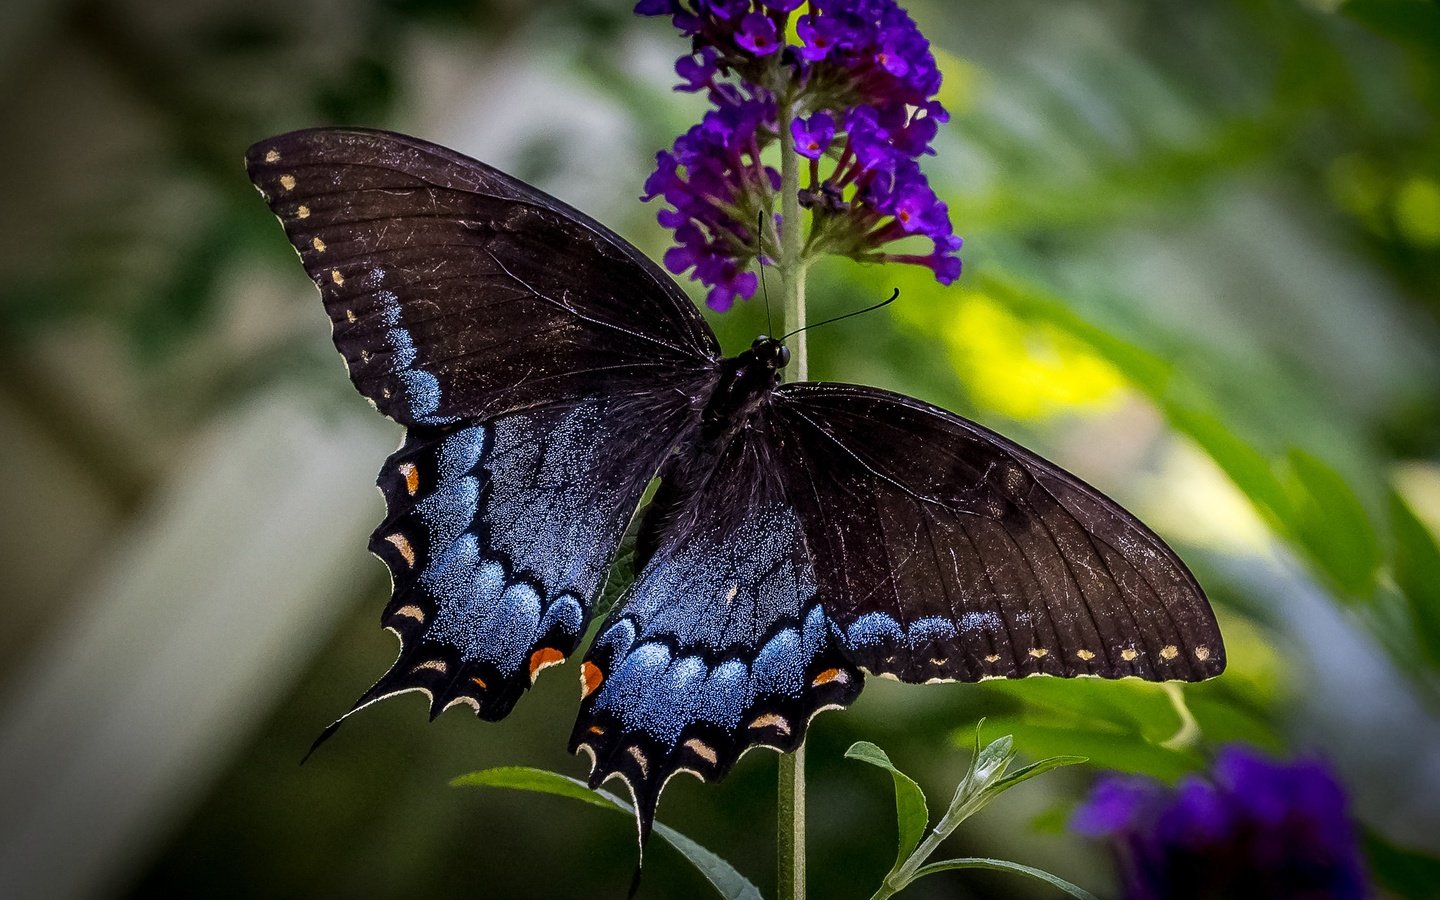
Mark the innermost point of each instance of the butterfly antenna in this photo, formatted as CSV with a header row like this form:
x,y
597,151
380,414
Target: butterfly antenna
x,y
760,263
886,302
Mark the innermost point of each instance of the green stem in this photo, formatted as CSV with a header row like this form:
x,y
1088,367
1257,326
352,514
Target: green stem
x,y
792,260
790,798
1189,731
790,826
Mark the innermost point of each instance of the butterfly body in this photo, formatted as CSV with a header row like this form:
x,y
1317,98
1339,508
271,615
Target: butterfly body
x,y
803,534
745,384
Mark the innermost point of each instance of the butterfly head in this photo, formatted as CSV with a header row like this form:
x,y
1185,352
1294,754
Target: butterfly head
x,y
770,352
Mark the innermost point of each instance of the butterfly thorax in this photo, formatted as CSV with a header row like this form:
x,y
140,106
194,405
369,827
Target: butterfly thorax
x,y
744,385
740,393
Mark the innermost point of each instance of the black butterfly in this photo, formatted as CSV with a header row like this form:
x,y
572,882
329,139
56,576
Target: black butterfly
x,y
546,370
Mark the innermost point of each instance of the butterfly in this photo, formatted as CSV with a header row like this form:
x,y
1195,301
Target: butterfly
x,y
801,535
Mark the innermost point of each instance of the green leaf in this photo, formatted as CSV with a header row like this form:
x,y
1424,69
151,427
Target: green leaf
x,y
1036,768
1412,22
1416,562
1139,708
1250,470
912,814
539,781
1105,747
729,883
1406,872
1004,865
1333,525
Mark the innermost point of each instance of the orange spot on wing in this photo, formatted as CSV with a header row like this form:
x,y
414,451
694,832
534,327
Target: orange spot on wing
x,y
590,678
830,675
544,658
402,544
480,683
412,478
771,720
596,729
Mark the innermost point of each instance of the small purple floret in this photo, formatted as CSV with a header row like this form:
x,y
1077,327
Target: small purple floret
x,y
758,34
813,138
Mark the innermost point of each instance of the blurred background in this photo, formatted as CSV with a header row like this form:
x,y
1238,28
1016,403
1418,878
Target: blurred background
x,y
1202,257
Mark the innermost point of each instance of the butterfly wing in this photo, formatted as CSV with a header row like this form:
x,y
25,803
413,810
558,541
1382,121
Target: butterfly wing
x,y
499,536
544,368
721,644
944,551
457,292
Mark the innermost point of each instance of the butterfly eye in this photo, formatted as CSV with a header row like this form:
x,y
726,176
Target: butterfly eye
x,y
784,354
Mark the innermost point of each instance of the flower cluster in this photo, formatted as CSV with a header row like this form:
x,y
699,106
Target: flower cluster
x,y
856,98
1256,828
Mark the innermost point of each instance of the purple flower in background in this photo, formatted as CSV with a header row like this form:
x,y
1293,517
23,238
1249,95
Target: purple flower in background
x,y
863,80
1255,828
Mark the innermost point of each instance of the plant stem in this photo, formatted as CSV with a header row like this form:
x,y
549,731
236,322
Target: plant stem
x,y
1189,731
790,826
792,260
790,797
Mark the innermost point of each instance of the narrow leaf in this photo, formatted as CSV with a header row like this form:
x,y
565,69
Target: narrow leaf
x,y
1416,560
727,882
1035,768
539,781
1334,525
912,815
1004,865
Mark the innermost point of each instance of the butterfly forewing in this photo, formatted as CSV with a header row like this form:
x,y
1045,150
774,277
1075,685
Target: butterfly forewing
x,y
945,551
544,367
457,292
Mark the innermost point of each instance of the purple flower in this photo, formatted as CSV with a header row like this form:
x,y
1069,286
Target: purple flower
x,y
813,138
698,71
820,35
758,35
1255,828
863,82
1114,805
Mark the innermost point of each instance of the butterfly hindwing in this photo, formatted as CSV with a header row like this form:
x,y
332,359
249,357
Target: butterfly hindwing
x,y
945,551
721,644
499,537
456,292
